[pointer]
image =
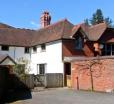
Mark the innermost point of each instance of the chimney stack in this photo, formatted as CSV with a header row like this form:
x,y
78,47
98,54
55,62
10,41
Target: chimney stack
x,y
45,19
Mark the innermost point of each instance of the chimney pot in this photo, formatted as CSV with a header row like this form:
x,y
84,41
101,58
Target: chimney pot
x,y
45,19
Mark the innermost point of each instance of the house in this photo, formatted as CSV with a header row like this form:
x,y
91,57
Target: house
x,y
46,49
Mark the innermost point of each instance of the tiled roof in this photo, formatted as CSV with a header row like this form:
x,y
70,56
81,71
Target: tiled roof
x,y
93,33
2,25
96,31
61,30
75,29
3,57
16,37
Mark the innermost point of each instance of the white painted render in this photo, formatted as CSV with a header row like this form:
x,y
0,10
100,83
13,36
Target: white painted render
x,y
16,53
52,57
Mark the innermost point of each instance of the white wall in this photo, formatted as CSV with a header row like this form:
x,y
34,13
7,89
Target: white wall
x,y
52,57
16,53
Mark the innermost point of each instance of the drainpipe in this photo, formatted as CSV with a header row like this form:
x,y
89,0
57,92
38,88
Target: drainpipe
x,y
77,83
30,54
91,78
14,52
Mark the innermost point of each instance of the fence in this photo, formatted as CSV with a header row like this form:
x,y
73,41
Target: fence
x,y
47,80
54,80
39,80
30,81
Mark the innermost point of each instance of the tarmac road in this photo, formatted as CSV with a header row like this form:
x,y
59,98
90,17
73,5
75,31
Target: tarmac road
x,y
68,96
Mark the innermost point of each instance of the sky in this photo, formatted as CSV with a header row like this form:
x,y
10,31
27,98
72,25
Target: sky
x,y
26,13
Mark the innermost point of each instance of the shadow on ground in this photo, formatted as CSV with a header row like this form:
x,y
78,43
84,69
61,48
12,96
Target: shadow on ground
x,y
12,89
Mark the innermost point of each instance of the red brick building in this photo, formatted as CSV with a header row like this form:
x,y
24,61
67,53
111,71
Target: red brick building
x,y
92,64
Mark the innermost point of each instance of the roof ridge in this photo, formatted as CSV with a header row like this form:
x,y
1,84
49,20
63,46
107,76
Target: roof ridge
x,y
16,29
79,25
63,29
92,26
4,25
75,26
96,31
53,24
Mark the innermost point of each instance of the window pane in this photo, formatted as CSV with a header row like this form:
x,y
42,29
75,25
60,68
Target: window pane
x,y
103,53
107,50
109,47
5,48
108,53
78,43
27,50
112,47
43,47
112,53
41,68
34,49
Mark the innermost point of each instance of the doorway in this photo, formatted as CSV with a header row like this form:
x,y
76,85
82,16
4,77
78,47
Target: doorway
x,y
67,73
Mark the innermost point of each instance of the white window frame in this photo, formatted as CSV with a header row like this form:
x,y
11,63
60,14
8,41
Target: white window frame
x,y
38,68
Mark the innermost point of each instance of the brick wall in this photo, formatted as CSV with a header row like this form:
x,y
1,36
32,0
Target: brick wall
x,y
96,72
68,49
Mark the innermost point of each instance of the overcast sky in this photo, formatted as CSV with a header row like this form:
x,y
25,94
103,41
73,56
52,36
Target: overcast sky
x,y
26,13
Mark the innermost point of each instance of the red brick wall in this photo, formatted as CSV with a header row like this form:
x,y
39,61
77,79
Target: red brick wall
x,y
103,75
68,49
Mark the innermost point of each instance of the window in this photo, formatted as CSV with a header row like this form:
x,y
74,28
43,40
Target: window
x,y
34,49
5,48
108,49
41,68
43,47
27,50
78,43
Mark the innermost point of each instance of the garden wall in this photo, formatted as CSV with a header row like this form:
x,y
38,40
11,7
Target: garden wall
x,y
93,74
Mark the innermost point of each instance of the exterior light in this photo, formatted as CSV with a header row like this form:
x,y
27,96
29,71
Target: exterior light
x,y
101,46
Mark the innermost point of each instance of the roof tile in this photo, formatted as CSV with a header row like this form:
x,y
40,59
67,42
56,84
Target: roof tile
x,y
60,30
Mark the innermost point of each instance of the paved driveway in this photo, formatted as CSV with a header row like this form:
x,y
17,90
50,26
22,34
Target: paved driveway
x,y
68,96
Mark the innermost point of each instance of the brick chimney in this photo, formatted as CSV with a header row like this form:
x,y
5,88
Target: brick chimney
x,y
45,19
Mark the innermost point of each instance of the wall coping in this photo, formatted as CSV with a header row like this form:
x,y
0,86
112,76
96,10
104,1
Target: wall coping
x,y
83,58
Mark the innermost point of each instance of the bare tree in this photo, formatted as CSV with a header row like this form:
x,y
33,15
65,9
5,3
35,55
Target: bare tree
x,y
92,68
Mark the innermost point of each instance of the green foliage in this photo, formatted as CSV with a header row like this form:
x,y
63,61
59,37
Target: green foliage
x,y
19,69
22,67
109,22
86,21
97,18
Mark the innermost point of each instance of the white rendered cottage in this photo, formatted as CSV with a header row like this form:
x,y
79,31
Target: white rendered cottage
x,y
44,50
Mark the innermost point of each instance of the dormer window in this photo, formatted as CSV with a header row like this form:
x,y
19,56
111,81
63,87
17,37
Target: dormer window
x,y
78,43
